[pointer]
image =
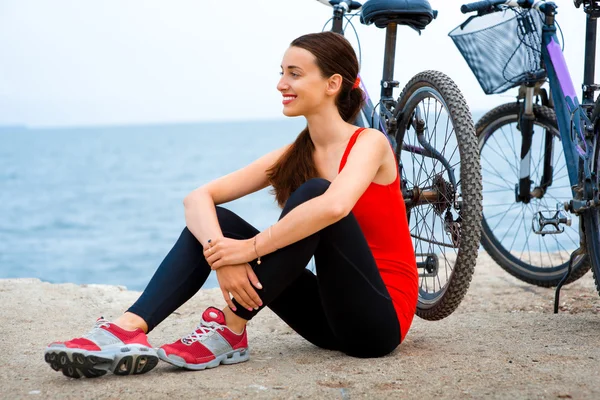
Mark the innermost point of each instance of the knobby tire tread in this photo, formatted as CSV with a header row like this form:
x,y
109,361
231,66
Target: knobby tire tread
x,y
460,278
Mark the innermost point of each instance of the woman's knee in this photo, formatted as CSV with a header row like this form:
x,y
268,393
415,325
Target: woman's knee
x,y
314,187
310,189
224,214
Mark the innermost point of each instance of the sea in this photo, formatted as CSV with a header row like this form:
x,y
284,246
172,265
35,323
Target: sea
x,y
104,205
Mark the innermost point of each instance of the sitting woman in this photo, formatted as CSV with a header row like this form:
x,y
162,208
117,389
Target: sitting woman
x,y
339,190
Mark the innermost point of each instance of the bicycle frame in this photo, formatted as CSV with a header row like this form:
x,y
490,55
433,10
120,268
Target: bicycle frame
x,y
575,127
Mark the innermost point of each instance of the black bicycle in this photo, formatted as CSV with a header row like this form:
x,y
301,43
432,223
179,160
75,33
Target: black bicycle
x,y
540,153
431,129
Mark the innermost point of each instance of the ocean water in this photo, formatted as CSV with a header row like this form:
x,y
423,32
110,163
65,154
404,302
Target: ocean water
x,y
104,205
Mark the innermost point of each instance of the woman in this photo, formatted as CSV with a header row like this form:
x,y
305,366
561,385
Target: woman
x,y
339,189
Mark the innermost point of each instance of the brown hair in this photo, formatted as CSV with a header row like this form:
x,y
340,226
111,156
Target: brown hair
x,y
334,55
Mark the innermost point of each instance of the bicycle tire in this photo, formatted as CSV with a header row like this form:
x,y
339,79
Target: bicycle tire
x,y
592,216
424,88
524,266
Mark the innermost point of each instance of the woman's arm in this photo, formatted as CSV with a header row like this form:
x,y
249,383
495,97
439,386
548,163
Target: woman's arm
x,y
365,160
200,212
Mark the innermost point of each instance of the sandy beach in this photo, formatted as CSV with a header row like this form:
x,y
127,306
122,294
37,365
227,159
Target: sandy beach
x,y
502,342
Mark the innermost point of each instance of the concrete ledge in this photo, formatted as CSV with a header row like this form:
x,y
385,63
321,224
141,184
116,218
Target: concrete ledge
x,y
502,342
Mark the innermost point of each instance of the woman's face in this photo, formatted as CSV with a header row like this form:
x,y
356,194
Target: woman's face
x,y
302,85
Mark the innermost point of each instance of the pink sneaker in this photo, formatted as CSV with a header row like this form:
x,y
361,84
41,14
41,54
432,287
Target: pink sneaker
x,y
105,348
211,344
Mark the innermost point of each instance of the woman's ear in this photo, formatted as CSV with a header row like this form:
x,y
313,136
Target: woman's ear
x,y
334,84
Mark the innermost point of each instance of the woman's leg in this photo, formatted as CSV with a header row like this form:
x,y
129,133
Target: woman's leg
x,y
345,303
324,310
183,272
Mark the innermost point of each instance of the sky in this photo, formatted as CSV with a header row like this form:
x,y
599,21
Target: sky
x,y
121,62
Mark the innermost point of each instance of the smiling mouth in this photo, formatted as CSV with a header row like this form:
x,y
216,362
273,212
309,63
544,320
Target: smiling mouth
x,y
288,99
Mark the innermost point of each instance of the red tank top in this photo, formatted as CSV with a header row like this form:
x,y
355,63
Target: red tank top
x,y
381,214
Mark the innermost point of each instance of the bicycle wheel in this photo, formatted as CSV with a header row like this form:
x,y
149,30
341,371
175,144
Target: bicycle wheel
x,y
592,216
507,232
441,179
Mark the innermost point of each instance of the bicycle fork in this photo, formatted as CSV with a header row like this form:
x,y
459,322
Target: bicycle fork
x,y
523,192
552,221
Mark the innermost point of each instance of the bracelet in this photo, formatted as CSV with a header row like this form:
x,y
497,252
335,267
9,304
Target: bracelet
x,y
258,260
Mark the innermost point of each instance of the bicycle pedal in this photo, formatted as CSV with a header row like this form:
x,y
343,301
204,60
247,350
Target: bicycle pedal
x,y
550,222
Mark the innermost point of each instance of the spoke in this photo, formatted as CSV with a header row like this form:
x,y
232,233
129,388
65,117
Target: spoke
x,y
423,216
436,161
417,178
431,248
556,172
555,198
497,175
504,157
500,204
541,254
560,246
512,224
453,152
527,233
500,186
502,219
571,238
497,191
420,247
432,133
412,155
548,252
512,139
562,177
514,145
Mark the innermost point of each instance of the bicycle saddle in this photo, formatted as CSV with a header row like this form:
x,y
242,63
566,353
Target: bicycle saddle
x,y
415,13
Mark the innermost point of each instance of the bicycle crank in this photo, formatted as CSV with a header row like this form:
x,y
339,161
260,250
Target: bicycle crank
x,y
550,223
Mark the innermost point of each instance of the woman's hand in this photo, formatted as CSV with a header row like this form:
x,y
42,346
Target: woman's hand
x,y
225,251
237,280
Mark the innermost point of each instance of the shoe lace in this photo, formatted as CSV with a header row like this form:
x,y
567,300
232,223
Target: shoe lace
x,y
100,322
203,330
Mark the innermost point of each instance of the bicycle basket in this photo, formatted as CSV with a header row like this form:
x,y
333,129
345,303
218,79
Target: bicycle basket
x,y
503,49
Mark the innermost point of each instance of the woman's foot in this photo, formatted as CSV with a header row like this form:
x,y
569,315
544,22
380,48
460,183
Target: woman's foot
x,y
106,347
211,344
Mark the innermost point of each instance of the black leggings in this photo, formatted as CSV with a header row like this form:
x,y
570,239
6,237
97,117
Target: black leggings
x,y
345,306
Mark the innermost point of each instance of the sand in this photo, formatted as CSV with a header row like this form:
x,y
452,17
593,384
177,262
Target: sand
x,y
502,342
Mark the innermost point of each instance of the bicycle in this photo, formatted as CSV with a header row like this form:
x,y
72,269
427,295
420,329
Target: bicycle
x,y
431,130
522,36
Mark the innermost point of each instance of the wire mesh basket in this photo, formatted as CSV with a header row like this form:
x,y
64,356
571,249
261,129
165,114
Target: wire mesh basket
x,y
503,49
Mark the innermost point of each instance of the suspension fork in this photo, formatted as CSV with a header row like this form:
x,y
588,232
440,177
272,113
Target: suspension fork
x,y
526,119
523,190
548,166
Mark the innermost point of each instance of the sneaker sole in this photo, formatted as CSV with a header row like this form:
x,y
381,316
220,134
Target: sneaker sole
x,y
124,360
232,357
